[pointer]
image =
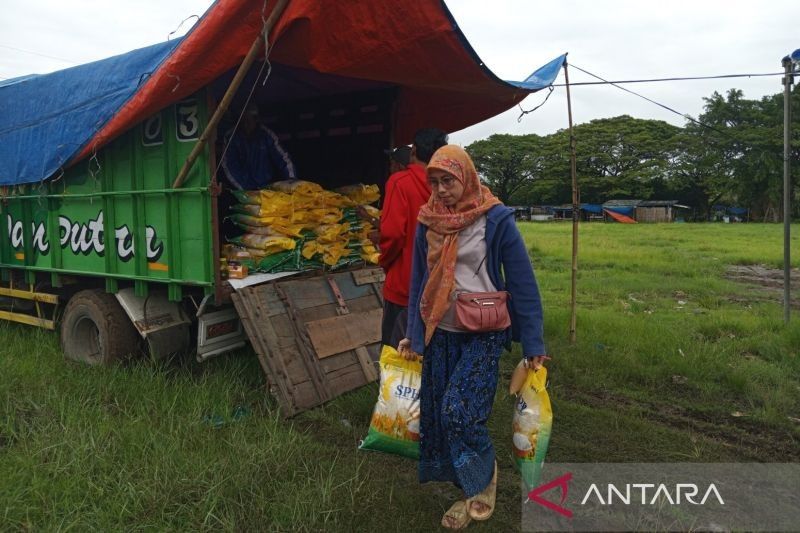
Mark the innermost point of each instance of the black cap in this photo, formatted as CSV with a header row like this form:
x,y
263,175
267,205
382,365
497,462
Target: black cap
x,y
401,154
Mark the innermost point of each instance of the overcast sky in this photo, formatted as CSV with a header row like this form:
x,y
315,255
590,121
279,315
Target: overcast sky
x,y
619,39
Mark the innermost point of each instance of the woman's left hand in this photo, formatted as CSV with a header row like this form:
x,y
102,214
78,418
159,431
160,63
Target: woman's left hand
x,y
535,362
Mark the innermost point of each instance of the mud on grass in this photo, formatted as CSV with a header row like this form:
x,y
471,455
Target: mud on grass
x,y
765,283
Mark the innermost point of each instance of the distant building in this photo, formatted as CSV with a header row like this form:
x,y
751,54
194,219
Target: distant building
x,y
626,208
658,210
629,211
521,212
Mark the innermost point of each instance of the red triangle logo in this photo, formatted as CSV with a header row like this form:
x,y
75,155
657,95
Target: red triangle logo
x,y
563,483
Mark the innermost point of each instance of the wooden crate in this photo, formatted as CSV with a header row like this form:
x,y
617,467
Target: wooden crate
x,y
316,337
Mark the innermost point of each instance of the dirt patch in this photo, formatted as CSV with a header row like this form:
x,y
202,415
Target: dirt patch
x,y
766,282
751,439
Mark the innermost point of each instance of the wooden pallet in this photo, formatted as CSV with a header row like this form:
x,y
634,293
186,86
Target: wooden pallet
x,y
316,337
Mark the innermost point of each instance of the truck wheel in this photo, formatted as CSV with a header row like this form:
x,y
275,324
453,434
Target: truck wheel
x,y
95,329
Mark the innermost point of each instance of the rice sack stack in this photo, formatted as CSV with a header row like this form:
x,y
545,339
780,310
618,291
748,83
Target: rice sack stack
x,y
361,196
343,241
532,423
298,225
394,427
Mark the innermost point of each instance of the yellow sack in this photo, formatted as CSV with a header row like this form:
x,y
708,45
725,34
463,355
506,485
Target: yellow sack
x,y
364,231
265,242
329,218
369,252
394,427
275,230
532,424
275,203
372,211
261,211
372,258
311,218
242,219
299,187
331,199
361,194
332,253
329,233
310,249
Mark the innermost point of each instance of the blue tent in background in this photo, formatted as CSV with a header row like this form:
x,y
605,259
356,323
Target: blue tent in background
x,y
596,209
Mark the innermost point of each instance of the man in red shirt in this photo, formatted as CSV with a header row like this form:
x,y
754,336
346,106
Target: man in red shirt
x,y
406,191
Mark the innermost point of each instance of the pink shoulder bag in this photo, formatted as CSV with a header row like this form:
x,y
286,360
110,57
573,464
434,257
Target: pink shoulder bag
x,y
483,311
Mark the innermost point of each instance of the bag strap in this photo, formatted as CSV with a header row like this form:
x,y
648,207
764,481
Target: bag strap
x,y
480,265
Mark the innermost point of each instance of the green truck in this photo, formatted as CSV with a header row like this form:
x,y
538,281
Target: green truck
x,y
88,247
99,240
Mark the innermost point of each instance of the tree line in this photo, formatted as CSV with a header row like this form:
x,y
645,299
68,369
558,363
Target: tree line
x,y
734,157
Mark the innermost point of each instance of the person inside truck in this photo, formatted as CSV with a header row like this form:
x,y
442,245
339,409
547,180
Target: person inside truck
x,y
399,158
253,155
472,292
406,191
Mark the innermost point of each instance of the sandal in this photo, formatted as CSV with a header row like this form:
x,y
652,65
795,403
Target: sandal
x,y
457,516
487,498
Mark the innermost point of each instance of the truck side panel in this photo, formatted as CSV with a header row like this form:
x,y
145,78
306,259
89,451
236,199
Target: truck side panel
x,y
96,217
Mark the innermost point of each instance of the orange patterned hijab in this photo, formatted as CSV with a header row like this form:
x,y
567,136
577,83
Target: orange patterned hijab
x,y
444,224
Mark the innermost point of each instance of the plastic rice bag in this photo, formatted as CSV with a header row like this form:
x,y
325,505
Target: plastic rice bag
x,y
369,252
250,220
278,230
331,199
372,211
532,424
394,427
247,197
328,233
268,243
361,194
300,187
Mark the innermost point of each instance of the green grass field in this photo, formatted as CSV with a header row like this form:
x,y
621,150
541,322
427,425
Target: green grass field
x,y
673,363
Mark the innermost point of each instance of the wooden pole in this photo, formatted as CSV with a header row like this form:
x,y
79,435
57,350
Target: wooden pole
x,y
575,217
787,188
222,108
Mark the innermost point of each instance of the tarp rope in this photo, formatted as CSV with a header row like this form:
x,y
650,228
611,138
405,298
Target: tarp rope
x,y
523,112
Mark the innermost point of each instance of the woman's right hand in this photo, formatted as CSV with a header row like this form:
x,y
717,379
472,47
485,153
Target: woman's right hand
x,y
404,349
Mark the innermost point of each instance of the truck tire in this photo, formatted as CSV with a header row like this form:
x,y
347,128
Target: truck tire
x,y
95,329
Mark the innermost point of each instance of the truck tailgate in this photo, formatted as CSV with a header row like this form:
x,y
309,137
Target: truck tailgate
x,y
316,337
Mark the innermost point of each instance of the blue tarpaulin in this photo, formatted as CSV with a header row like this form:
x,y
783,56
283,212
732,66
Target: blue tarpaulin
x,y
623,210
592,208
543,76
45,120
736,211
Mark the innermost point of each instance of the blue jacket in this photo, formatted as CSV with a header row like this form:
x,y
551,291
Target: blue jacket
x,y
505,248
252,162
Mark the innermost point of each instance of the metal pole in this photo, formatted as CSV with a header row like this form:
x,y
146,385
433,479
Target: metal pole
x,y
249,59
575,217
787,187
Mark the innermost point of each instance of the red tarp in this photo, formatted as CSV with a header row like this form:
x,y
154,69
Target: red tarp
x,y
619,217
411,43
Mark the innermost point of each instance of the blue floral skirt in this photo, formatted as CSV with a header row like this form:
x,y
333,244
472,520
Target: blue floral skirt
x,y
459,380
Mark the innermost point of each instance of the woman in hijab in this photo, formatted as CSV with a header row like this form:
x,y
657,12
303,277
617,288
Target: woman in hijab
x,y
465,236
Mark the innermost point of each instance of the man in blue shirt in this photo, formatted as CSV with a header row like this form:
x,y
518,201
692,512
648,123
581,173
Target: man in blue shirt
x,y
254,156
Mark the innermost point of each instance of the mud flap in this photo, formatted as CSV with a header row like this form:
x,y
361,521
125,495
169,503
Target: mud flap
x,y
162,323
